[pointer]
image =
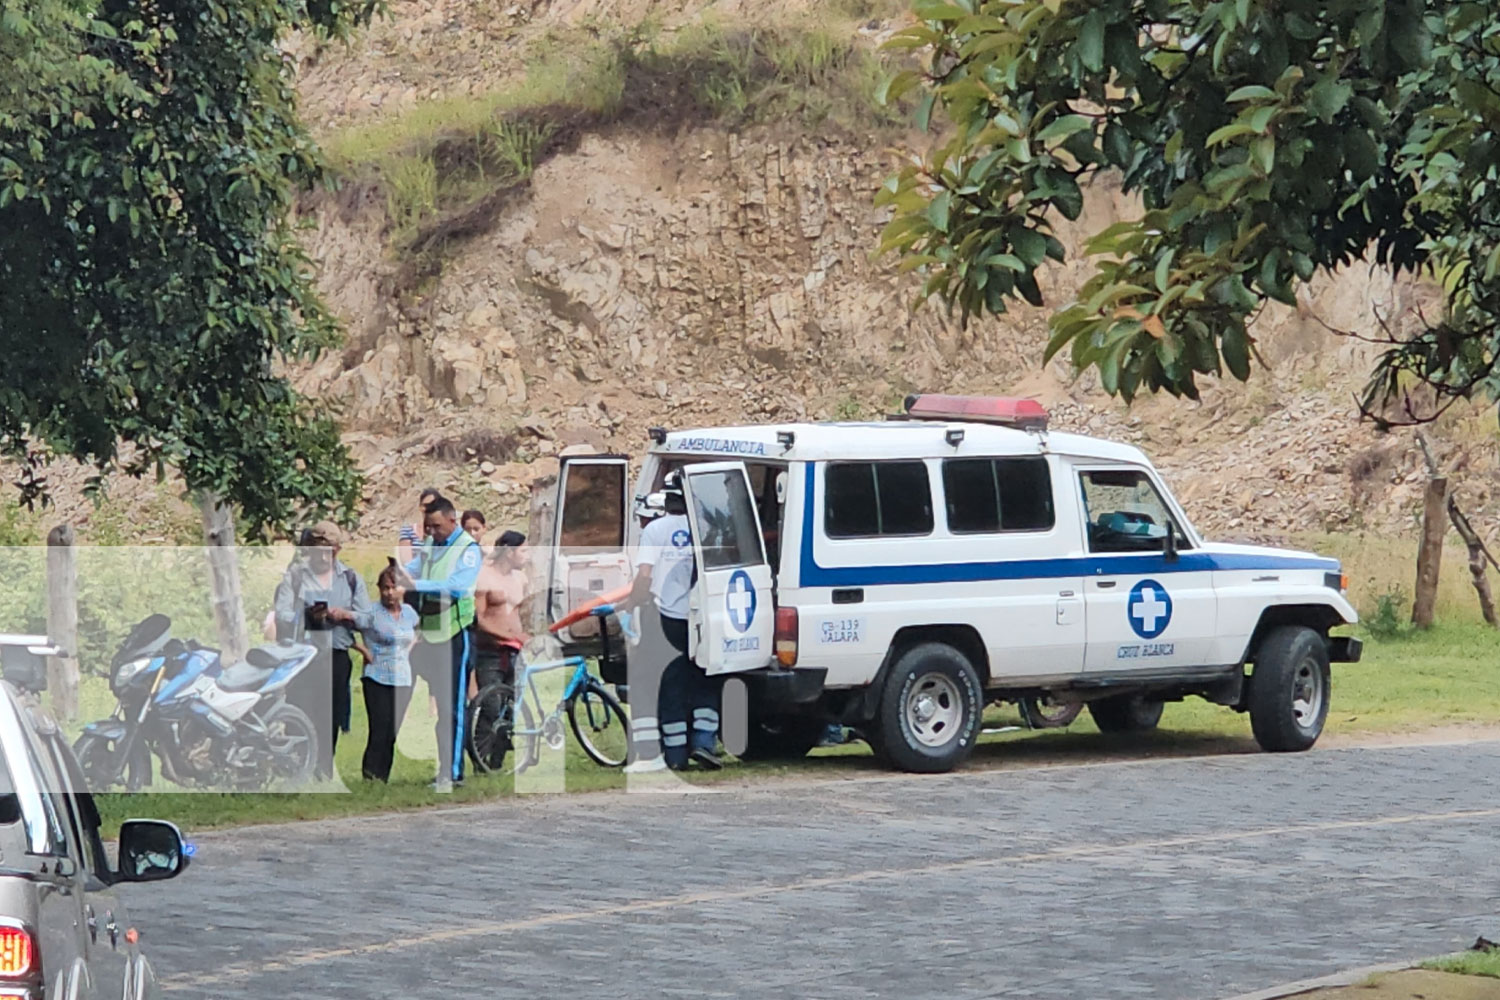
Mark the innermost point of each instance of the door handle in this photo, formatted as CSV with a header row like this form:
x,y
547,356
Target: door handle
x,y
1106,584
851,595
93,923
1065,593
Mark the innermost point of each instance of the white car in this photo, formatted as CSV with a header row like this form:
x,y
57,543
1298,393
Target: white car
x,y
896,576
64,931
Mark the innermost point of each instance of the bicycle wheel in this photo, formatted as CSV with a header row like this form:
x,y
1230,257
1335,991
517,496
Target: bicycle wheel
x,y
489,729
601,726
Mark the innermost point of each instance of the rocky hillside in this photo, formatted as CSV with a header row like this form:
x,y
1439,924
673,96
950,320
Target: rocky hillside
x,y
543,242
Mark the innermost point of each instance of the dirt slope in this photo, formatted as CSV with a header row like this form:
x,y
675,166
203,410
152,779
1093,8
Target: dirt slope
x,y
697,275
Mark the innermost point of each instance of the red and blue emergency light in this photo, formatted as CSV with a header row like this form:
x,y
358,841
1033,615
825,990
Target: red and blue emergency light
x,y
1008,411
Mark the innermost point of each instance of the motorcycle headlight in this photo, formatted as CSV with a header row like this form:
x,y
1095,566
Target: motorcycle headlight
x,y
125,671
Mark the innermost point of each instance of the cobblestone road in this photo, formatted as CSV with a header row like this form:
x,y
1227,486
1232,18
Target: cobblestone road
x,y
1185,879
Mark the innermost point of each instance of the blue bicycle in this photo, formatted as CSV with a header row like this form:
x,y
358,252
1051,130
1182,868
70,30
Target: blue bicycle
x,y
507,715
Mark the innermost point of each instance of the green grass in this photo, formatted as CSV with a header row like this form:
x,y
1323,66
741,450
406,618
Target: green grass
x,y
1468,963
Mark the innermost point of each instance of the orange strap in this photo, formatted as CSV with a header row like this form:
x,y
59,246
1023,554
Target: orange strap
x,y
583,610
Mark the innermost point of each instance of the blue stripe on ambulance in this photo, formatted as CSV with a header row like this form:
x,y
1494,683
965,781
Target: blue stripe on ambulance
x,y
813,575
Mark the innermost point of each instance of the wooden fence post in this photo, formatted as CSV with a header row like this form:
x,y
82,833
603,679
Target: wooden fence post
x,y
62,621
1434,525
224,577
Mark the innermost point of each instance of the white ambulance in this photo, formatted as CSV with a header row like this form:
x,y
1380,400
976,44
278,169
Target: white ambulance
x,y
897,576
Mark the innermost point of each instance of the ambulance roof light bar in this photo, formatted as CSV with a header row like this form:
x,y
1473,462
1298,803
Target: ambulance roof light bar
x,y
1008,411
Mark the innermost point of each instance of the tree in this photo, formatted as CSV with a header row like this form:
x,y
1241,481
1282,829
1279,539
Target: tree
x,y
1268,140
150,282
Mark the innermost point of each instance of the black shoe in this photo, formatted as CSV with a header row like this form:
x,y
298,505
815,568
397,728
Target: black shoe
x,y
708,760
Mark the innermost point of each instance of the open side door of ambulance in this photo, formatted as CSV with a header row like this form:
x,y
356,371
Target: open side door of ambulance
x,y
588,555
731,615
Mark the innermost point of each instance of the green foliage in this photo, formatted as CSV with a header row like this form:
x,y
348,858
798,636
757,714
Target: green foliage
x,y
1387,620
149,281
516,145
850,408
1268,142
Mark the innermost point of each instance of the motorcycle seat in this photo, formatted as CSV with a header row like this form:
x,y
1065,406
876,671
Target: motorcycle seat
x,y
244,676
255,669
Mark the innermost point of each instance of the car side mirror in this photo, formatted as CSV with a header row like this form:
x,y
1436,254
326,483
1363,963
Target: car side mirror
x,y
1169,543
150,850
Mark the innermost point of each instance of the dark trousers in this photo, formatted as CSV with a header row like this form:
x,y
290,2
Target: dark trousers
x,y
492,662
386,707
322,691
343,666
688,702
445,666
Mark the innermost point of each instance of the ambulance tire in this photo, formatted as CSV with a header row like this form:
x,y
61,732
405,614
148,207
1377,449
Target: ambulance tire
x,y
1126,713
1289,690
787,737
929,715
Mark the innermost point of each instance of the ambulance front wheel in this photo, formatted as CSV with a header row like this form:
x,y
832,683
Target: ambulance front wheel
x,y
1289,689
929,712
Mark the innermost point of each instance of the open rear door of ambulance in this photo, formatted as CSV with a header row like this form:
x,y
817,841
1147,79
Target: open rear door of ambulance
x,y
731,616
588,555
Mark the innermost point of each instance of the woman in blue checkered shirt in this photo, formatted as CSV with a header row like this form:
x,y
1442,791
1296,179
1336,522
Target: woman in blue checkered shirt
x,y
389,629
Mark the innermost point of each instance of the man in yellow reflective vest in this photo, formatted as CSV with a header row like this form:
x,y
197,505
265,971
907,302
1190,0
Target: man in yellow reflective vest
x,y
443,576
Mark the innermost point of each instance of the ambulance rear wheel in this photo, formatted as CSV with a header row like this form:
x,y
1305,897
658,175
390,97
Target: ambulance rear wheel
x,y
929,712
1126,713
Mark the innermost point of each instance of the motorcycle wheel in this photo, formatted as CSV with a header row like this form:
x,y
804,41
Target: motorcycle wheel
x,y
1044,713
293,743
98,758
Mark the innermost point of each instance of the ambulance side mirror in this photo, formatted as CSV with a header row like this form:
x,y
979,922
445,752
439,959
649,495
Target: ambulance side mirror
x,y
781,487
1169,544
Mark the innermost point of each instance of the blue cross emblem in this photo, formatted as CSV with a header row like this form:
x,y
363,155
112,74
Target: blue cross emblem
x,y
739,601
1149,609
680,539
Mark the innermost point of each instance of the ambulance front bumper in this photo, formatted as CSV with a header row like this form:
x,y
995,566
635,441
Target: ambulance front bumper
x,y
1344,649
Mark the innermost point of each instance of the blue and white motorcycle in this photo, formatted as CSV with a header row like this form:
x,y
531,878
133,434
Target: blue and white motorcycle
x,y
210,725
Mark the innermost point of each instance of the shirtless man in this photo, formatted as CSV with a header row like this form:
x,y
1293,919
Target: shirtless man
x,y
498,596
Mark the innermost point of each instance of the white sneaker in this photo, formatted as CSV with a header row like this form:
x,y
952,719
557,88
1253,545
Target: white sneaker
x,y
651,765
442,786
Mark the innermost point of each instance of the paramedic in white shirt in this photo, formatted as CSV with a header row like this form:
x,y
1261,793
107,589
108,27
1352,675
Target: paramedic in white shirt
x,y
688,702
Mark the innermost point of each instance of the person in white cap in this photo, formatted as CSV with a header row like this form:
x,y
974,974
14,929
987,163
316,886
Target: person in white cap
x,y
687,705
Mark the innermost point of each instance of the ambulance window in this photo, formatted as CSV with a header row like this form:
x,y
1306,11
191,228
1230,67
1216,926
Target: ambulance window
x,y
1125,513
729,532
592,518
998,494
867,499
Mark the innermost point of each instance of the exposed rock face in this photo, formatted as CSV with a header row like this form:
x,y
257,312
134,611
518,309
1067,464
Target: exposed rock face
x,y
720,278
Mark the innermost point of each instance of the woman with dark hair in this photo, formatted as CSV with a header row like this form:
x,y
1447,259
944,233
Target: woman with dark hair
x,y
390,629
